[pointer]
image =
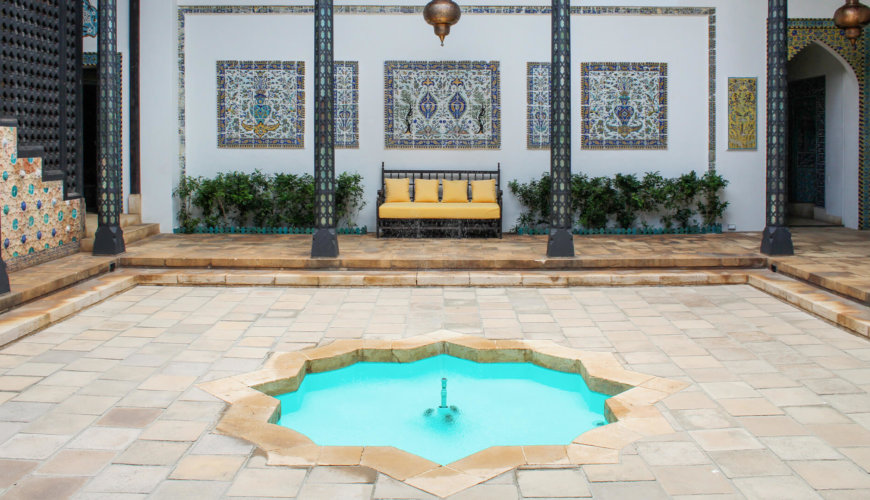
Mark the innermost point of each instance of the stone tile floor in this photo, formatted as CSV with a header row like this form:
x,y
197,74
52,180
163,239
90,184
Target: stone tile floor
x,y
104,404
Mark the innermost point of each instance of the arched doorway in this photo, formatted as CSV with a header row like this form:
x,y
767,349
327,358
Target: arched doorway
x,y
823,139
830,151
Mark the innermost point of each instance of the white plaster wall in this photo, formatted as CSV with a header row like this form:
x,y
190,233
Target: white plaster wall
x,y
512,40
158,98
813,8
841,127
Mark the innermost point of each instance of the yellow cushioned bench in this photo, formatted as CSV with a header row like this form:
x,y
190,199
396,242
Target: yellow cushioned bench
x,y
458,203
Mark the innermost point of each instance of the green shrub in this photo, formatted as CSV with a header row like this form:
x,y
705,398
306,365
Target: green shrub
x,y
269,200
625,197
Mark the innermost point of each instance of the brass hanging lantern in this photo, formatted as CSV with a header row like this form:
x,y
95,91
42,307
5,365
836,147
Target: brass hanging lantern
x,y
442,14
852,17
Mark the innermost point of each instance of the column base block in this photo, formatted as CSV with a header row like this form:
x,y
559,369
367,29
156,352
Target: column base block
x,y
109,240
4,279
776,240
325,243
560,243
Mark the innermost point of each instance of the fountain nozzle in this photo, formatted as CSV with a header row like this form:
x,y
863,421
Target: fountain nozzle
x,y
443,392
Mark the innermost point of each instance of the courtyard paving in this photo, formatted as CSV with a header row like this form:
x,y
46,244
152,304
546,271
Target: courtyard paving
x,y
105,405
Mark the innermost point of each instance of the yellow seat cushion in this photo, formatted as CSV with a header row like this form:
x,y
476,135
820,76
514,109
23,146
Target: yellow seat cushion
x,y
426,190
483,191
455,192
397,190
439,211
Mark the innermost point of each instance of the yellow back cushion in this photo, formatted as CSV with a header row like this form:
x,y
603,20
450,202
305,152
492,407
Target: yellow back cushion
x,y
455,192
483,191
397,190
426,190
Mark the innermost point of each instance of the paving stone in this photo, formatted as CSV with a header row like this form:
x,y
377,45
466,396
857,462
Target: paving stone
x,y
152,453
801,448
77,462
749,463
34,487
629,468
388,488
832,474
776,488
200,490
342,475
173,430
672,453
281,483
623,491
314,491
842,435
725,439
129,417
32,446
13,470
861,456
552,483
773,426
215,444
208,467
59,423
488,492
105,438
128,479
692,480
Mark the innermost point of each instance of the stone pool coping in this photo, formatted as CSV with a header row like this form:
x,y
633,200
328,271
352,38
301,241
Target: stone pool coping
x,y
253,412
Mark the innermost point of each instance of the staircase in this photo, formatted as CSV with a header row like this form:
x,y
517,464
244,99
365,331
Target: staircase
x,y
131,224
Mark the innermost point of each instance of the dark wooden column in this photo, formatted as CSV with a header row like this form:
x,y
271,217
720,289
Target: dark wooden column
x,y
561,241
776,239
325,242
109,238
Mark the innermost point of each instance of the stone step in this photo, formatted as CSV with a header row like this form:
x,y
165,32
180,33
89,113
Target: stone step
x,y
91,222
132,234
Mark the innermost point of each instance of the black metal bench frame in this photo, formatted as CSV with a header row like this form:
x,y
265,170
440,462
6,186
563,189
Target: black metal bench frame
x,y
429,228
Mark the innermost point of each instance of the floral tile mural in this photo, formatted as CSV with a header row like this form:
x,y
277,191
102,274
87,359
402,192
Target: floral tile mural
x,y
624,105
538,89
36,223
346,104
90,19
261,104
742,113
442,105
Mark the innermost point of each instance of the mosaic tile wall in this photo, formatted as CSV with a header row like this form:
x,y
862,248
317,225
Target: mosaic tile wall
x,y
89,19
743,113
36,224
346,104
538,102
442,105
624,105
261,104
802,32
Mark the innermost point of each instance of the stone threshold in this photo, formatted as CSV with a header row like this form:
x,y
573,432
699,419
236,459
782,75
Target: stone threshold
x,y
252,410
57,306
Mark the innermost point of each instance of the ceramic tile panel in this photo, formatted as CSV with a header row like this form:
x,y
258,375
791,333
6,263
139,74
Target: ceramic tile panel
x,y
624,105
261,104
89,19
347,104
743,113
538,102
442,105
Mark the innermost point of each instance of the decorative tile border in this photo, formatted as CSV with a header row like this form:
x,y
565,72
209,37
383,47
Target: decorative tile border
x,y
743,113
420,97
253,412
261,104
709,12
538,105
347,104
624,105
802,32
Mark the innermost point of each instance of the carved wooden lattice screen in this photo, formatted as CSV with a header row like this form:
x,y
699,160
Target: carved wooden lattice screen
x,y
40,71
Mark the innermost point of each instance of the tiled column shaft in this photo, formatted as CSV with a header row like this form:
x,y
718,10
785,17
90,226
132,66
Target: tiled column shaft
x,y
325,242
109,238
776,239
561,241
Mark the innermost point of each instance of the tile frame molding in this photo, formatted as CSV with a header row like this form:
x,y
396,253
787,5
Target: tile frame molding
x,y
416,10
252,413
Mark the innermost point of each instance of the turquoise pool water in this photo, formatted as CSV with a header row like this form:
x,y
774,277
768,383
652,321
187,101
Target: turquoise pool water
x,y
398,404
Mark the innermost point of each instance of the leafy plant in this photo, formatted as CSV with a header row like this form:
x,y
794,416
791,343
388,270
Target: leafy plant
x,y
592,198
534,196
710,206
275,200
679,195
